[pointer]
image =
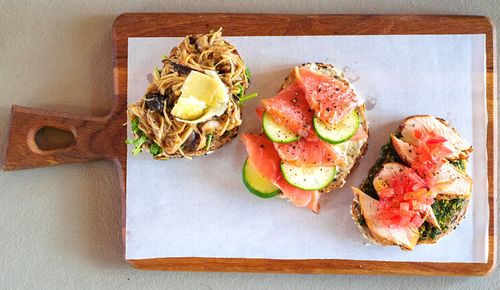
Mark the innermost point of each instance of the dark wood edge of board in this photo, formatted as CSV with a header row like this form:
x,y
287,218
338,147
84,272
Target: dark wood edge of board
x,y
168,24
312,266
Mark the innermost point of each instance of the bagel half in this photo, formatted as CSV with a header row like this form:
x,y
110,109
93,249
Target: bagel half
x,y
449,207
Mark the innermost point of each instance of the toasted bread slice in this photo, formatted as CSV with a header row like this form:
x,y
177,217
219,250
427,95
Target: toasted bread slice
x,y
329,71
165,133
448,209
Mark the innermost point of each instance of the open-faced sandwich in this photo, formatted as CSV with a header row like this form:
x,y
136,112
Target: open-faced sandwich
x,y
419,190
191,107
314,132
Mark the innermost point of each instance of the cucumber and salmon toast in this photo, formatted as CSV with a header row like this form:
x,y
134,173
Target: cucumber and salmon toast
x,y
313,133
418,190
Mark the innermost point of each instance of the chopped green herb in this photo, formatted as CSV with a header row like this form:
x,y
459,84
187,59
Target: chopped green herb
x,y
246,98
164,57
134,124
155,149
157,73
137,150
209,141
247,73
138,144
140,140
240,92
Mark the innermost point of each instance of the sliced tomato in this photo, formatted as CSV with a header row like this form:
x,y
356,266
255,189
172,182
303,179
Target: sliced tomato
x,y
405,181
404,200
430,151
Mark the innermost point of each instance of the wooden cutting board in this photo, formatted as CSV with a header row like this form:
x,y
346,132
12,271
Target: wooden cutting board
x,y
102,137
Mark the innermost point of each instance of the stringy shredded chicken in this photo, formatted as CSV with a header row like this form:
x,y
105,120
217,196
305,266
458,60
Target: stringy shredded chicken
x,y
173,136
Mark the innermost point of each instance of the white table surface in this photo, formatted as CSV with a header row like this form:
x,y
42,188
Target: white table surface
x,y
60,226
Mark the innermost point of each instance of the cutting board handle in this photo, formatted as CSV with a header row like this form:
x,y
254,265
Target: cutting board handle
x,y
94,138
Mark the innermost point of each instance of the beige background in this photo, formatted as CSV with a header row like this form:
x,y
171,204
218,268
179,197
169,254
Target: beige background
x,y
60,226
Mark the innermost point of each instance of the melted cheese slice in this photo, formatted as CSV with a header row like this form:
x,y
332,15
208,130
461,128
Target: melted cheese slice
x,y
202,97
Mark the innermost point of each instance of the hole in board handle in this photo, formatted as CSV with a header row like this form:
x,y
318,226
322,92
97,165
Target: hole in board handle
x,y
50,138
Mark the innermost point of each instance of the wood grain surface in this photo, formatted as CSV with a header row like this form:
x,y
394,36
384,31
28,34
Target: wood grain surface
x,y
94,137
100,138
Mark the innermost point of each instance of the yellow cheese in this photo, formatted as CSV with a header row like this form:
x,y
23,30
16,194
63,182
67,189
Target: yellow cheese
x,y
202,97
188,108
200,86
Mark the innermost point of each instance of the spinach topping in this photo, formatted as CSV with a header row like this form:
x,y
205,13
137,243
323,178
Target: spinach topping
x,y
428,232
446,211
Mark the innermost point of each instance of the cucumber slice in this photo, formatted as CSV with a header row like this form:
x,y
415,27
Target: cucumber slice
x,y
308,177
276,132
256,183
338,132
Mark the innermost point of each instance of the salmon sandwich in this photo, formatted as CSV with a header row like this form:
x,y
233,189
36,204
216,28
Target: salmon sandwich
x,y
313,133
191,107
418,191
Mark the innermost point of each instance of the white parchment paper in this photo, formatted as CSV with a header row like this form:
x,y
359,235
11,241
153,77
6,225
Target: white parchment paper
x,y
182,208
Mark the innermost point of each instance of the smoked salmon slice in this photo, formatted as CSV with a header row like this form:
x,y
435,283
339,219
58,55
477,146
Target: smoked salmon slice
x,y
290,109
330,98
304,152
263,155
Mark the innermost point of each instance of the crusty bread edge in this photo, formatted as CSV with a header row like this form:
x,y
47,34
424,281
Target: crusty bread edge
x,y
365,231
217,143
